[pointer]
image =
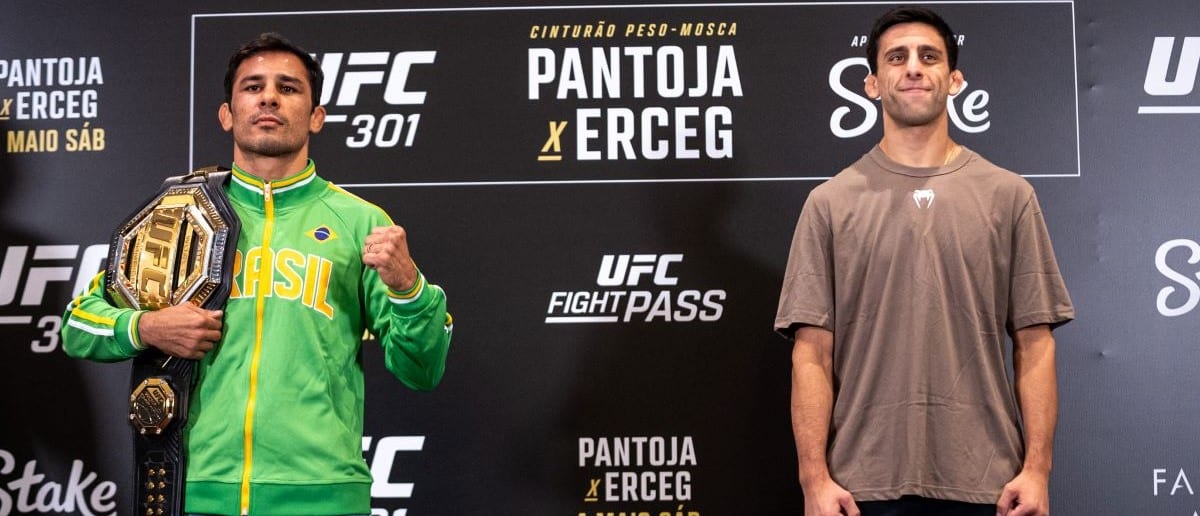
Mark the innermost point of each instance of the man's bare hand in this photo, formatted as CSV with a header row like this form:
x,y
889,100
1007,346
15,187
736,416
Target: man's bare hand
x,y
1026,495
386,251
828,499
184,331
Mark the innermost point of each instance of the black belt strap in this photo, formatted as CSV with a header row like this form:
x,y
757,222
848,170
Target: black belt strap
x,y
159,460
161,385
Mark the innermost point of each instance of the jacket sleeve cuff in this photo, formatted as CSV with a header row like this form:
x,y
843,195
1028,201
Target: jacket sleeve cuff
x,y
126,330
413,300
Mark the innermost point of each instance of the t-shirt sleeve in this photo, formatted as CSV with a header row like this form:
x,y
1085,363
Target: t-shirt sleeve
x,y
806,298
1037,292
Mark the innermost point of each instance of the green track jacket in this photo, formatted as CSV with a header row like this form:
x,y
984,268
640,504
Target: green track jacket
x,y
276,418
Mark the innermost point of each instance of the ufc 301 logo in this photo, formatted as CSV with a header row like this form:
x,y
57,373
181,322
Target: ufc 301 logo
x,y
30,271
350,75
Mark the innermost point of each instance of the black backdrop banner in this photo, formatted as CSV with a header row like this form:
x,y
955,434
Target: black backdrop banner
x,y
607,194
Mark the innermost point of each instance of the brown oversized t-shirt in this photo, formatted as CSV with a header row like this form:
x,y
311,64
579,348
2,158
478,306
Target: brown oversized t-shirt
x,y
920,273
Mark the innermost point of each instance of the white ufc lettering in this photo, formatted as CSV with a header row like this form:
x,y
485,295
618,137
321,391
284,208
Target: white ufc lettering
x,y
37,278
369,68
1160,64
624,269
384,459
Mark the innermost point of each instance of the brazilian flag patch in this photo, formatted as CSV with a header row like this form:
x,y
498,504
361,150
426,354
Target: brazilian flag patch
x,y
321,233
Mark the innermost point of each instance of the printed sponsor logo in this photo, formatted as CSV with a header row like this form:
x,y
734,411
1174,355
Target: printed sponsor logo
x,y
1171,300
636,288
923,197
1171,482
638,475
1174,485
356,82
27,491
1171,75
29,271
383,462
51,104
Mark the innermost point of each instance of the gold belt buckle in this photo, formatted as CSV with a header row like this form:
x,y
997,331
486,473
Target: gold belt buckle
x,y
172,251
152,406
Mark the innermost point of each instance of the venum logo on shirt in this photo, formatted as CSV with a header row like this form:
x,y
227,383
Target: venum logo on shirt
x,y
923,198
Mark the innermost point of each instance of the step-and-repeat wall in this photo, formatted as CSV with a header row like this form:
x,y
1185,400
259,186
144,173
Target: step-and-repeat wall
x,y
607,194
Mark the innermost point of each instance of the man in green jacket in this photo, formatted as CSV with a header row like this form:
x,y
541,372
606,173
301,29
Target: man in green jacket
x,y
276,417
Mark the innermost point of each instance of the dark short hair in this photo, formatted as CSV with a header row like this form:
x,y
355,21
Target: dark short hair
x,y
270,42
908,14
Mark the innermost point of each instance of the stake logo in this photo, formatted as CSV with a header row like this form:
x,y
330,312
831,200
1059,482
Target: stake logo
x,y
618,297
1168,302
32,493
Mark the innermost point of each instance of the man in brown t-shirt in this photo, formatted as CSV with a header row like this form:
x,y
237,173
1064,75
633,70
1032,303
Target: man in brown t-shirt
x,y
906,272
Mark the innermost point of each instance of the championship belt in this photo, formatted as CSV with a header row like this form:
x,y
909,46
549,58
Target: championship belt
x,y
178,248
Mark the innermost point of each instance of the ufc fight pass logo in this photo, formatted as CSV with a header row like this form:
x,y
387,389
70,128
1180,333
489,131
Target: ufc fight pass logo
x,y
636,288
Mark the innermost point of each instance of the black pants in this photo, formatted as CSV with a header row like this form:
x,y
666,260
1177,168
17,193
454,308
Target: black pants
x,y
918,506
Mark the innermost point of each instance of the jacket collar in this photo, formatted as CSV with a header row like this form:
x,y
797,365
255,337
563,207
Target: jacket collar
x,y
296,188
